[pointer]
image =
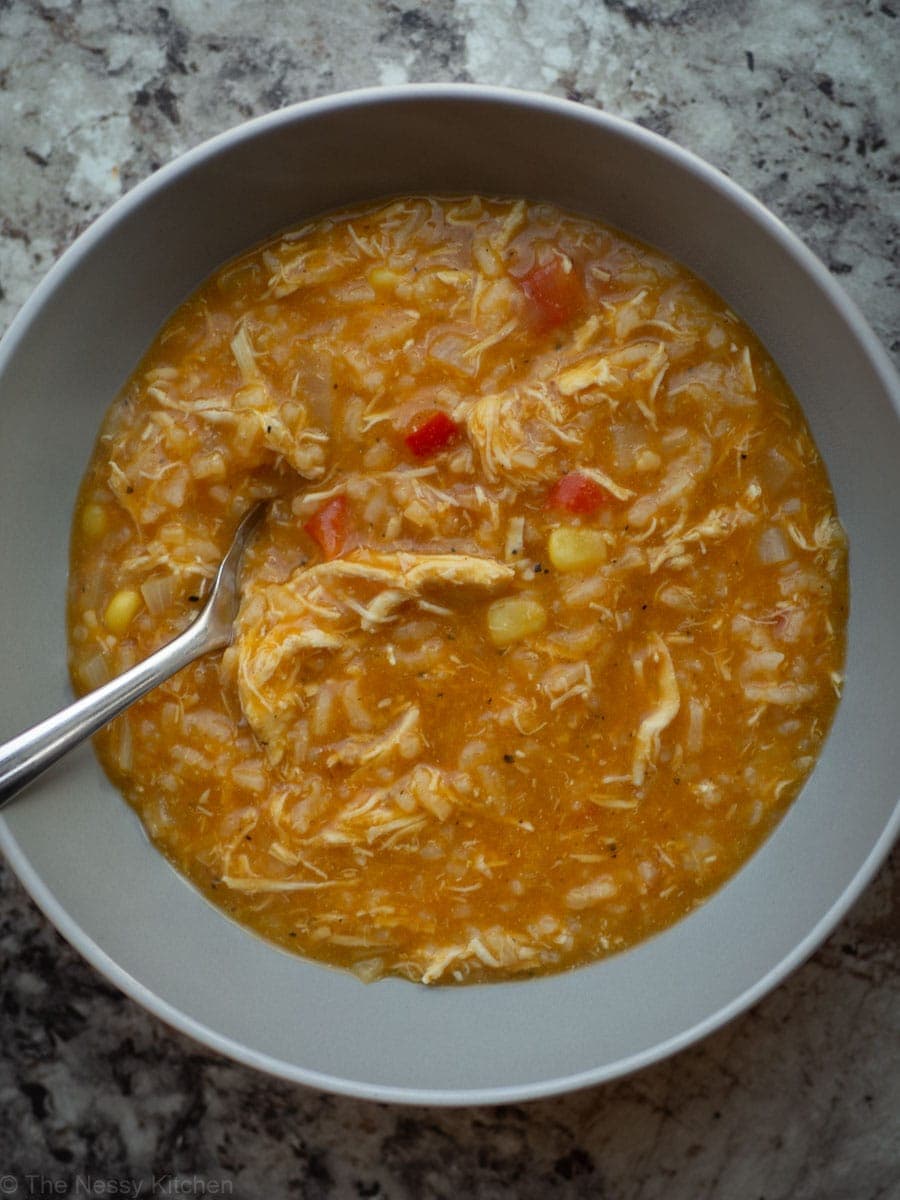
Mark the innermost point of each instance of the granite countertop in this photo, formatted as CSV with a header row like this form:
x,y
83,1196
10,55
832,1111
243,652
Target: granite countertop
x,y
799,1099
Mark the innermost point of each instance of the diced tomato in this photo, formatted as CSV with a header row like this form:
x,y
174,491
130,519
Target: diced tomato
x,y
330,526
432,434
576,493
555,291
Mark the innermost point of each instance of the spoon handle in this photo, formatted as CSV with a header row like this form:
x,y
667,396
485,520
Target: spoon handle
x,y
25,757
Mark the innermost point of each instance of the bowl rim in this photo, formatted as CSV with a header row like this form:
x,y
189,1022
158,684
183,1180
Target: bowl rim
x,y
806,262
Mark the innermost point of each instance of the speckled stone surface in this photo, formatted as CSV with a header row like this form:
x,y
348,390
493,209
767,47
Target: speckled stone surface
x,y
797,1100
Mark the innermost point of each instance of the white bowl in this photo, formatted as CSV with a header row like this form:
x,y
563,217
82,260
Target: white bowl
x,y
81,852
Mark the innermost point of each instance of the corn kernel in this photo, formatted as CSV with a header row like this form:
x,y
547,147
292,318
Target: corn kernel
x,y
121,610
94,520
383,279
574,549
513,618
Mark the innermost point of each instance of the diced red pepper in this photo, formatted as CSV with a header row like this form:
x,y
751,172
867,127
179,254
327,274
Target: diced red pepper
x,y
576,493
555,291
436,432
330,526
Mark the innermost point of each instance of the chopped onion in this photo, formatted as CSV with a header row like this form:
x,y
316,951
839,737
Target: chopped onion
x,y
94,672
158,592
628,441
450,349
696,718
368,970
775,470
242,349
125,754
761,662
772,547
589,894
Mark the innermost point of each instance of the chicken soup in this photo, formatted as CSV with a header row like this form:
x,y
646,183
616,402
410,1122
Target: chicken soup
x,y
544,627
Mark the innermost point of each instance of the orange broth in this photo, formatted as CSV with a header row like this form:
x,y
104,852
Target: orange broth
x,y
545,625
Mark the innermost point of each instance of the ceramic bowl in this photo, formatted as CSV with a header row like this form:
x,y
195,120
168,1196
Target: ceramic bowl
x,y
80,851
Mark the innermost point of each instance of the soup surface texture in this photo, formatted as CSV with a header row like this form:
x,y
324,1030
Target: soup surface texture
x,y
543,629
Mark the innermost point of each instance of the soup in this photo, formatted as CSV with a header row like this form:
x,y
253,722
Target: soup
x,y
545,625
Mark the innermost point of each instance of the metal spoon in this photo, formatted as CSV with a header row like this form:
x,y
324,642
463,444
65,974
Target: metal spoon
x,y
32,752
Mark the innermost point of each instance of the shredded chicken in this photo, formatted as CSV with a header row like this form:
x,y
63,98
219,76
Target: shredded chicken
x,y
328,608
664,711
516,434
